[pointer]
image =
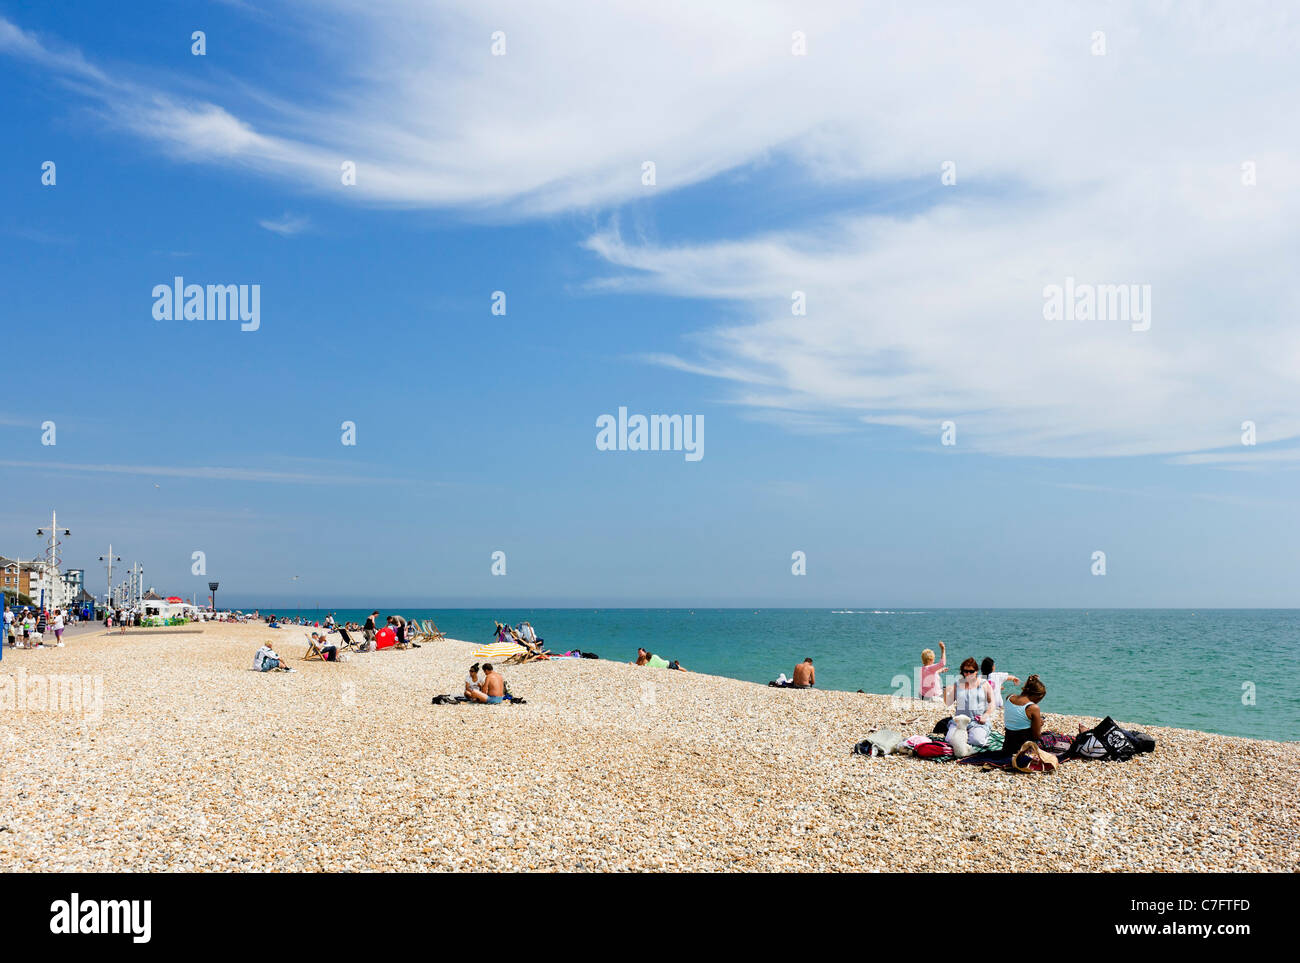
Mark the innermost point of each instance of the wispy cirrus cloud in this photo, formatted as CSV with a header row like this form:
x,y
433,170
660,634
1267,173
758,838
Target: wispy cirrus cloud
x,y
206,472
286,226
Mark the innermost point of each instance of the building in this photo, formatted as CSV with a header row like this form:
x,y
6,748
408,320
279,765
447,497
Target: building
x,y
14,577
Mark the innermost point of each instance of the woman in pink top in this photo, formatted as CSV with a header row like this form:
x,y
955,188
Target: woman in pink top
x,y
931,683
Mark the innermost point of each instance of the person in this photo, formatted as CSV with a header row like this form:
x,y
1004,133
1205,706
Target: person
x,y
529,636
472,684
932,673
369,629
973,698
658,662
267,659
58,626
642,657
9,625
493,691
1022,720
27,630
328,650
996,680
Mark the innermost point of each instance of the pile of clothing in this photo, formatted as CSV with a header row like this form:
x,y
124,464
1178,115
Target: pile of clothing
x,y
1106,740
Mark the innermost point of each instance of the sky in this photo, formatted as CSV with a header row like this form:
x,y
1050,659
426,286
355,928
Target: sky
x,y
841,261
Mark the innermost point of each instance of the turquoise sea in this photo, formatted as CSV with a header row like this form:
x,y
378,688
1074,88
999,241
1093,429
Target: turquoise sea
x,y
1228,671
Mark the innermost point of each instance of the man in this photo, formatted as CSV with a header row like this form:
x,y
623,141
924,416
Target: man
x,y
804,675
268,660
370,628
494,687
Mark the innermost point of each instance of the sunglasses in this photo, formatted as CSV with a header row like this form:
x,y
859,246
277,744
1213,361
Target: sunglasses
x,y
967,671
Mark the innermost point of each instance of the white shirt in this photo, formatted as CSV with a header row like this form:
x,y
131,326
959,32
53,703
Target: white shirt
x,y
469,681
995,680
264,653
528,634
58,621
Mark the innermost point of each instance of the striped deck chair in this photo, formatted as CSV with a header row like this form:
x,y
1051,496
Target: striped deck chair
x,y
432,632
313,650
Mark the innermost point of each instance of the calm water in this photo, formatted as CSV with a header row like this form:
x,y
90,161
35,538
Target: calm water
x,y
1161,667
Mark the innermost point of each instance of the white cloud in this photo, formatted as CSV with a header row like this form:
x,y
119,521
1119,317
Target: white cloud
x,y
1123,168
214,473
286,226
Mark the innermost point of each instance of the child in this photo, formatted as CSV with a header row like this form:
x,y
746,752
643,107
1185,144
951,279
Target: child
x,y
996,680
932,672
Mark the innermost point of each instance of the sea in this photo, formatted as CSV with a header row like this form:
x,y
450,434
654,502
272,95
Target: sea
x,y
1235,672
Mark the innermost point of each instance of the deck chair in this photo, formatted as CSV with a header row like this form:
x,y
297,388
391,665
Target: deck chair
x,y
313,650
346,641
432,632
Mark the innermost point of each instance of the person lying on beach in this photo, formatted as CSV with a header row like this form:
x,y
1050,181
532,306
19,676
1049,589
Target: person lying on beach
x,y
972,698
646,657
932,673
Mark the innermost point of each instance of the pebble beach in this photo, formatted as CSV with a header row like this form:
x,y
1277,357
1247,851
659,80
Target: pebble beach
x,y
195,762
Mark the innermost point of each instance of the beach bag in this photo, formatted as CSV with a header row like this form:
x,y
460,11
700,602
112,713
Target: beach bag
x,y
933,750
1057,743
1032,758
1119,747
443,700
1088,746
1141,741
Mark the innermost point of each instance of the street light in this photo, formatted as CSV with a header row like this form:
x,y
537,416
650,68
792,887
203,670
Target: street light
x,y
212,587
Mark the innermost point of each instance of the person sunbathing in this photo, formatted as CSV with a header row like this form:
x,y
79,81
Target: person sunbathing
x,y
328,650
804,676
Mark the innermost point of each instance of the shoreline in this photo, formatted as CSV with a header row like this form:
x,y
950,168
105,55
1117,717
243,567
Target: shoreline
x,y
198,762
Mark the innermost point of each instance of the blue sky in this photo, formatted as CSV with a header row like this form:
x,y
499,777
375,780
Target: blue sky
x,y
775,173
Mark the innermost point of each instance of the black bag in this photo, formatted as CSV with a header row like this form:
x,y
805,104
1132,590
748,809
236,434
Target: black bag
x,y
590,655
1141,741
1119,747
942,725
443,700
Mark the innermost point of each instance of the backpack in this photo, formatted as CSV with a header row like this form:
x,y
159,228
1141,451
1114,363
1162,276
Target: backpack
x,y
1141,741
934,749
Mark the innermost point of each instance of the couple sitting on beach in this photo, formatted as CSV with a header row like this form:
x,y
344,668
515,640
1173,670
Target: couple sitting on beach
x,y
646,657
491,691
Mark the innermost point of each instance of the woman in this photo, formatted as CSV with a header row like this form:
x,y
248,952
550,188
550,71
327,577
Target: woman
x,y
1021,717
472,683
932,673
972,698
58,626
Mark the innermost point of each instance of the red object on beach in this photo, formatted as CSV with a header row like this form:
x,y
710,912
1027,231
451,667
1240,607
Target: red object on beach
x,y
384,638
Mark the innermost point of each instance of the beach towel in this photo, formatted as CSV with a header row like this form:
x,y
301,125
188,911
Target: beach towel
x,y
995,744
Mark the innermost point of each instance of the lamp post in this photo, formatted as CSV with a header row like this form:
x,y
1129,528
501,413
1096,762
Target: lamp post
x,y
110,558
52,559
212,587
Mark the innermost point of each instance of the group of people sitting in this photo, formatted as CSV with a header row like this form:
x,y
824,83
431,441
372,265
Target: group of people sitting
x,y
522,634
975,697
646,657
